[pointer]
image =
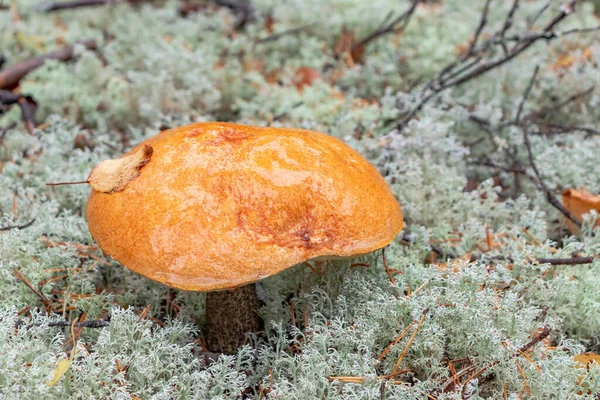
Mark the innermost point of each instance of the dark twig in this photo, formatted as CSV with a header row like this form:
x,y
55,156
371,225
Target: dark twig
x,y
11,76
540,181
84,324
534,341
386,28
526,94
64,324
554,108
21,226
387,268
557,128
482,24
50,6
472,64
508,22
566,261
537,16
45,301
26,103
242,7
580,30
279,35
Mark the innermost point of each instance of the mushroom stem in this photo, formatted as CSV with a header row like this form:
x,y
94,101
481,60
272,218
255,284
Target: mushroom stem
x,y
231,315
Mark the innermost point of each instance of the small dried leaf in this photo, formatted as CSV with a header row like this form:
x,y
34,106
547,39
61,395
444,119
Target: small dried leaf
x,y
346,44
579,203
585,359
61,368
112,176
305,76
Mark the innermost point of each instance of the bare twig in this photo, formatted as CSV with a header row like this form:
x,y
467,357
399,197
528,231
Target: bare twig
x,y
50,6
537,16
566,261
538,337
508,22
396,340
45,301
11,76
26,103
387,27
63,324
412,338
540,181
482,24
279,35
242,7
387,268
21,226
558,128
473,63
535,116
526,94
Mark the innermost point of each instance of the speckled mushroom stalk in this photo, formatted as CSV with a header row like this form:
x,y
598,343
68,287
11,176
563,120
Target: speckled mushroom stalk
x,y
216,206
230,316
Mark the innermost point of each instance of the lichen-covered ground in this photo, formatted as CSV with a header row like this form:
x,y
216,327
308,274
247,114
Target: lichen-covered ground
x,y
475,280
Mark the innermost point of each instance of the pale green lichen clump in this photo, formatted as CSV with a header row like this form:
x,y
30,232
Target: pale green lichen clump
x,y
154,68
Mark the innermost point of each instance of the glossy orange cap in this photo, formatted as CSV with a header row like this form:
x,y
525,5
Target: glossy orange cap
x,y
213,206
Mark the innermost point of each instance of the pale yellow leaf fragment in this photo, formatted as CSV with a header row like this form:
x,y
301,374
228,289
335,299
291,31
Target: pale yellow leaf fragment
x,y
112,176
61,368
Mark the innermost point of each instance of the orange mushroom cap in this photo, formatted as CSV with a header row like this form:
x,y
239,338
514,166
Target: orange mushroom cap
x,y
214,206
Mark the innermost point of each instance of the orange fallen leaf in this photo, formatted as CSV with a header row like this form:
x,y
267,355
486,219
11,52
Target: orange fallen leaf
x,y
579,203
305,76
583,361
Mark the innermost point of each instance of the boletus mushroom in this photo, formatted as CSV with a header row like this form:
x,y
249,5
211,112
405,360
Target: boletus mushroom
x,y
215,207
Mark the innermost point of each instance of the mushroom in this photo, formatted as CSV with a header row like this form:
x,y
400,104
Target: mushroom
x,y
216,207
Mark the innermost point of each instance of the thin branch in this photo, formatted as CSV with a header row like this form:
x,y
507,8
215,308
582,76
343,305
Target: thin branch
x,y
45,301
542,185
26,103
21,226
410,340
566,261
242,7
50,6
387,268
471,65
508,22
534,341
526,94
537,16
554,108
11,76
482,24
557,128
279,35
63,324
386,28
